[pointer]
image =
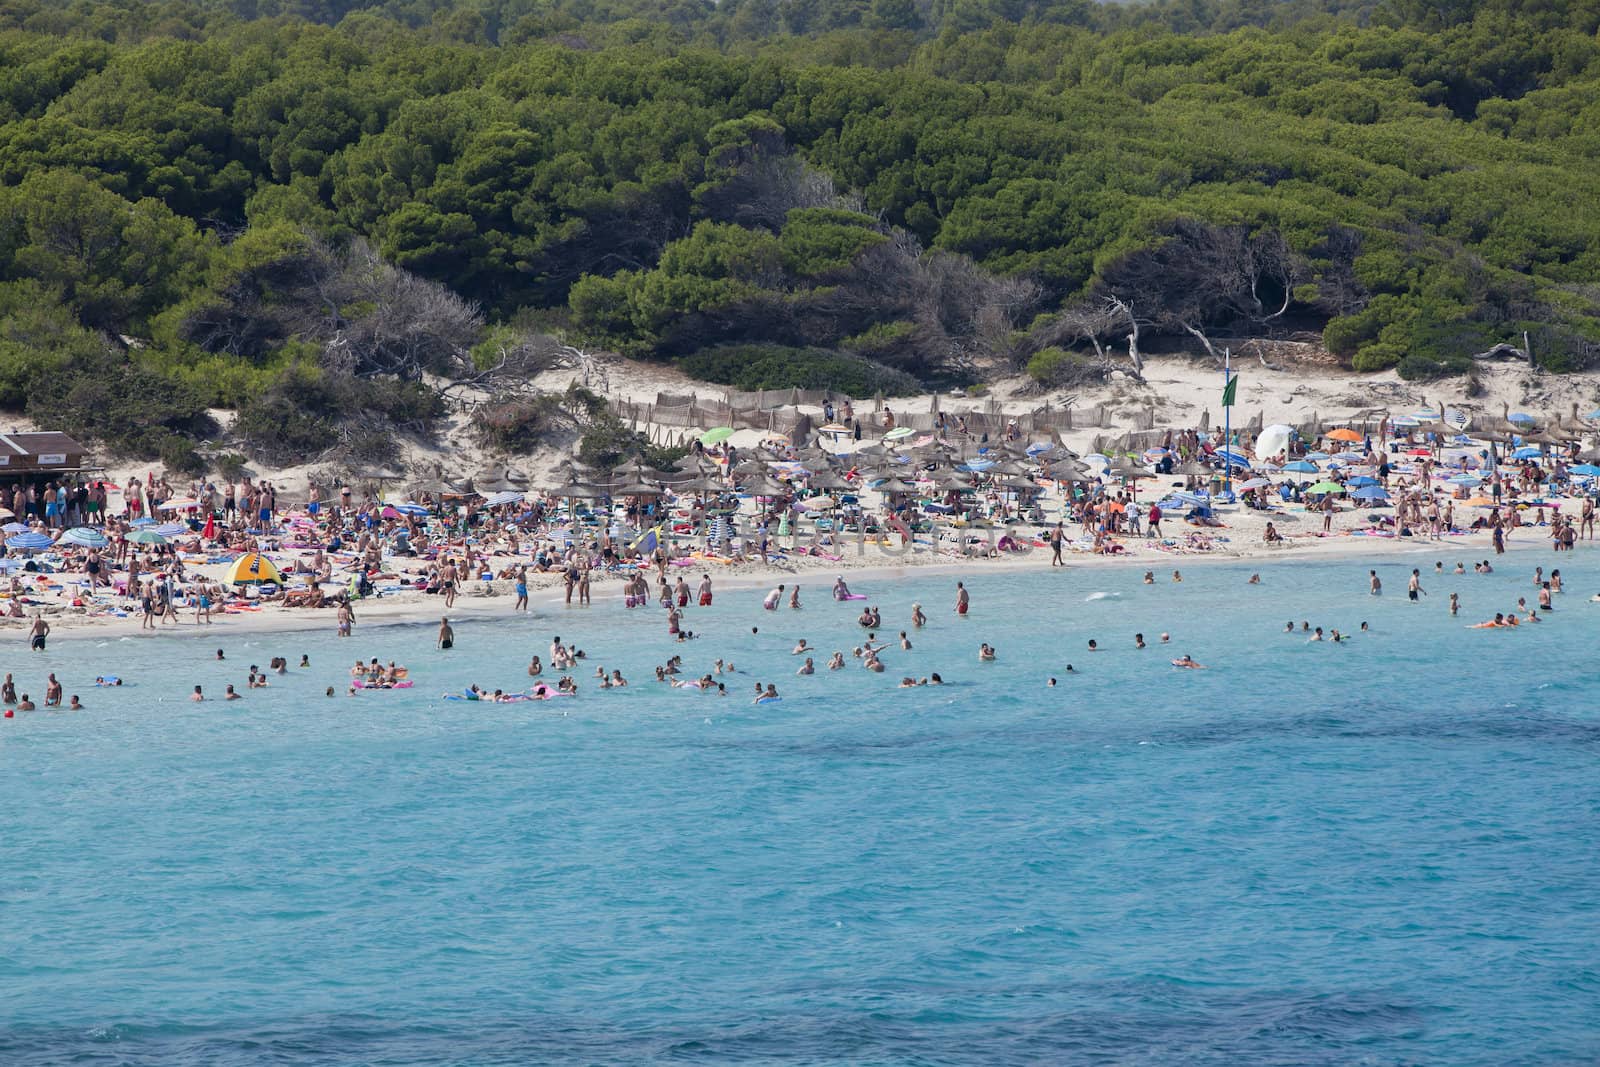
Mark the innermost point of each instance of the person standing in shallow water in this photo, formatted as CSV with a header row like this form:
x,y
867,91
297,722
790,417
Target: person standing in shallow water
x,y
447,636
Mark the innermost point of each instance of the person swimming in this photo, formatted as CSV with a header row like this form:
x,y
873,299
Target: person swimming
x,y
1188,663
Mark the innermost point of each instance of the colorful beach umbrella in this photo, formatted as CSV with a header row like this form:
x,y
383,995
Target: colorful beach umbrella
x,y
85,537
1326,487
252,567
718,434
898,433
1345,434
29,542
146,537
1233,459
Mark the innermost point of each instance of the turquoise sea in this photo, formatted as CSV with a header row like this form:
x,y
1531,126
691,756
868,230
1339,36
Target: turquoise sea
x,y
1382,852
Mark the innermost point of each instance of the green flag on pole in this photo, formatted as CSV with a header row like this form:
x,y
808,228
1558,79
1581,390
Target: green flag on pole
x,y
1229,391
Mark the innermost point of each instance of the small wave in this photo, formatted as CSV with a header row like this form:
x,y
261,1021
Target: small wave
x,y
1103,596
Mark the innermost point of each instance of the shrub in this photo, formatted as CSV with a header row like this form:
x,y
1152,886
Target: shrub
x,y
607,443
307,410
518,425
230,465
882,340
178,455
115,400
1344,336
1377,357
1056,367
778,367
280,431
1419,367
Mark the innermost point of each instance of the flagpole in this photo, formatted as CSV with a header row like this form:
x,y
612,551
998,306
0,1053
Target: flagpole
x,y
1227,421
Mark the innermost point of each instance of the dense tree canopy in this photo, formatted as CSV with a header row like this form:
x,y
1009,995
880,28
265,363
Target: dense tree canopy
x,y
930,188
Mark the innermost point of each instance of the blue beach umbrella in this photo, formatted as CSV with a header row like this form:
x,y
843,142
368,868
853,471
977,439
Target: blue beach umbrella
x,y
1317,455
1300,466
1522,417
172,529
29,542
1233,459
1527,452
85,537
1372,493
416,511
1464,478
1584,470
1362,482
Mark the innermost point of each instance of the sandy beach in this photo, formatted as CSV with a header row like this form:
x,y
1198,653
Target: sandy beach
x,y
871,566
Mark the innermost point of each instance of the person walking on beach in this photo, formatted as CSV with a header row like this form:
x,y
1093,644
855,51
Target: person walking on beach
x,y
522,590
963,601
447,636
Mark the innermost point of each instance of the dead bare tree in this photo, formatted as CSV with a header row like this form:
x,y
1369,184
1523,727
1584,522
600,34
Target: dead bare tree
x,y
1118,309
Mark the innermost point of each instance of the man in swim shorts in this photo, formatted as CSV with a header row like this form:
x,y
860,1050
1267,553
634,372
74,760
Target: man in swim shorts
x,y
38,633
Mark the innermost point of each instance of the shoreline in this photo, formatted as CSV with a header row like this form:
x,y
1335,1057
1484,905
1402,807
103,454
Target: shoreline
x,y
545,593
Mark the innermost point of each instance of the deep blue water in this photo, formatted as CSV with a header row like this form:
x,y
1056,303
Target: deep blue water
x,y
1381,852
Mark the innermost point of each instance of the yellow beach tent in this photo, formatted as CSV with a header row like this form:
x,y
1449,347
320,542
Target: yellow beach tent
x,y
252,567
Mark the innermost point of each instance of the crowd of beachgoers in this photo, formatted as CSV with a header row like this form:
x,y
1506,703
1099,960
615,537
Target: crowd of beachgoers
x,y
154,552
